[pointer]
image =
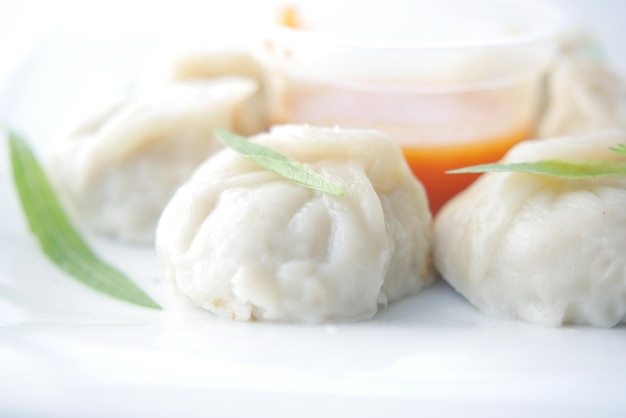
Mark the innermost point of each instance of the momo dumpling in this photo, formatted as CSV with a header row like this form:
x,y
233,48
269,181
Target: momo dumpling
x,y
210,64
198,64
545,250
583,95
246,244
216,63
117,171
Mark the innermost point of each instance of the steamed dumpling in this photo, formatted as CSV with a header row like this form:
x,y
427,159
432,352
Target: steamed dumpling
x,y
216,63
209,64
117,171
583,95
245,243
219,63
198,64
544,250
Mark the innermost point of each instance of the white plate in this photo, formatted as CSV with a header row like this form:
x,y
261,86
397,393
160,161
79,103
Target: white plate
x,y
66,351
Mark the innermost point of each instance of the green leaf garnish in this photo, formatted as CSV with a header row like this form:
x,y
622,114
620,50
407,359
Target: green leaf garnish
x,y
620,149
278,163
556,168
57,237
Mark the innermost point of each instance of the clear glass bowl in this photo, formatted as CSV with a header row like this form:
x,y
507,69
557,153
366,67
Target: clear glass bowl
x,y
455,83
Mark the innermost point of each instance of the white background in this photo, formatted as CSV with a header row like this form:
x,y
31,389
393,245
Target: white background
x,y
23,21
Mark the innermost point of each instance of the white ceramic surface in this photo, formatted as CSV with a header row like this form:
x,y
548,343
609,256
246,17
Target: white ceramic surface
x,y
66,351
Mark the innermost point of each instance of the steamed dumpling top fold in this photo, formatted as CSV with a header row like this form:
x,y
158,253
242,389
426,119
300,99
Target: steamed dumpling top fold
x,y
204,64
583,94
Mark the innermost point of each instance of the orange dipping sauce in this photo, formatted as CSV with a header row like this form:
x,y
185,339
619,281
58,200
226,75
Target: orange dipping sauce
x,y
429,164
437,132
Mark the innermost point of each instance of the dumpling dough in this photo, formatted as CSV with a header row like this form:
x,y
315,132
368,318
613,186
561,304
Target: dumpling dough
x,y
209,64
583,95
117,171
198,63
544,250
245,243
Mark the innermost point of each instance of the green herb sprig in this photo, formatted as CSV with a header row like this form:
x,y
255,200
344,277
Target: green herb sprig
x,y
57,237
620,149
556,168
278,163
